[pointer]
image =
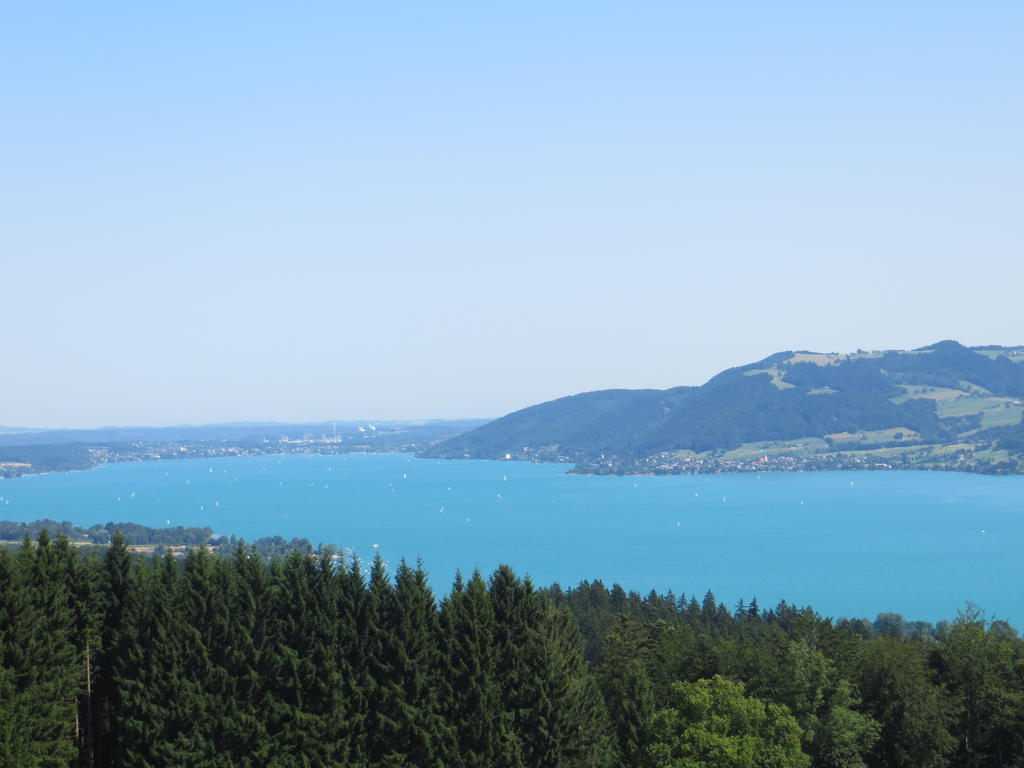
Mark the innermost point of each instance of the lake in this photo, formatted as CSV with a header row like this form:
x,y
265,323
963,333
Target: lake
x,y
846,543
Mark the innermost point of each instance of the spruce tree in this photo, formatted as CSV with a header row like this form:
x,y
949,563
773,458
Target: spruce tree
x,y
430,737
151,701
471,689
305,683
627,691
199,624
516,616
86,591
118,653
353,627
381,723
17,621
408,681
551,700
42,658
567,723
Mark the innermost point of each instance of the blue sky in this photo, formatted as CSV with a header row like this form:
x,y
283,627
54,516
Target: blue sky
x,y
250,211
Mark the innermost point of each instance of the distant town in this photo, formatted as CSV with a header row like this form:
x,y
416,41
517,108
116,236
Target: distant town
x,y
24,452
928,457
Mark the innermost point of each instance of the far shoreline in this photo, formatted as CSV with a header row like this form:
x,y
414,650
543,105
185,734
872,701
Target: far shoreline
x,y
576,469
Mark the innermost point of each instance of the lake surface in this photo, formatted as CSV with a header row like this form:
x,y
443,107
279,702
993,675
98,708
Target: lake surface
x,y
846,543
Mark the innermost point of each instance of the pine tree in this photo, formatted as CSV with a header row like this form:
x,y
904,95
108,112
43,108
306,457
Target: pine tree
x,y
16,625
244,733
408,680
628,692
381,724
516,615
305,682
634,717
353,647
41,661
199,624
472,692
548,695
118,653
567,724
86,598
151,707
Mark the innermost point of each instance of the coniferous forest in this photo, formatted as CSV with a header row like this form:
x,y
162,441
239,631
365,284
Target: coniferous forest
x,y
312,661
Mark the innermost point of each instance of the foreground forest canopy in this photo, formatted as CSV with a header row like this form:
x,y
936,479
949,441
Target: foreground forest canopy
x,y
311,661
945,406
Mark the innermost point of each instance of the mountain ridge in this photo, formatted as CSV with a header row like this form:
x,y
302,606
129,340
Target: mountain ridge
x,y
833,408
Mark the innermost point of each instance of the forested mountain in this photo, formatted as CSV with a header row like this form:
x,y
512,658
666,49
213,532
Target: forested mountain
x,y
945,404
312,661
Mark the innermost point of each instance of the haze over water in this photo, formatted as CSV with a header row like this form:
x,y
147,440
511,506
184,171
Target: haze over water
x,y
848,544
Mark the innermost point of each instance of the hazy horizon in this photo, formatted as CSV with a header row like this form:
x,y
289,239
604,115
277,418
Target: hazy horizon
x,y
219,214
411,419
257,423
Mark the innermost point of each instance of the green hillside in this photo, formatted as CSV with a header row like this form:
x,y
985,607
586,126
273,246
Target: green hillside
x,y
942,406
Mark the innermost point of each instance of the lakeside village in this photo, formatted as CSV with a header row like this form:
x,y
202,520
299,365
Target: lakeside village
x,y
962,457
307,444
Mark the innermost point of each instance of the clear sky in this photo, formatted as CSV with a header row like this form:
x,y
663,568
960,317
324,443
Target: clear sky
x,y
221,211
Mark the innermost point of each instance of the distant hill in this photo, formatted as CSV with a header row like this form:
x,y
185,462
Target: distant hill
x,y
943,406
232,432
25,452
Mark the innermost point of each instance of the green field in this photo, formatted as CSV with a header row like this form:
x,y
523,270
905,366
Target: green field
x,y
1014,354
893,450
894,435
939,394
776,375
995,411
1001,417
772,448
966,406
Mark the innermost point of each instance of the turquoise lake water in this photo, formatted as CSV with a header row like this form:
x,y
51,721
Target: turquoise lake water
x,y
846,543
